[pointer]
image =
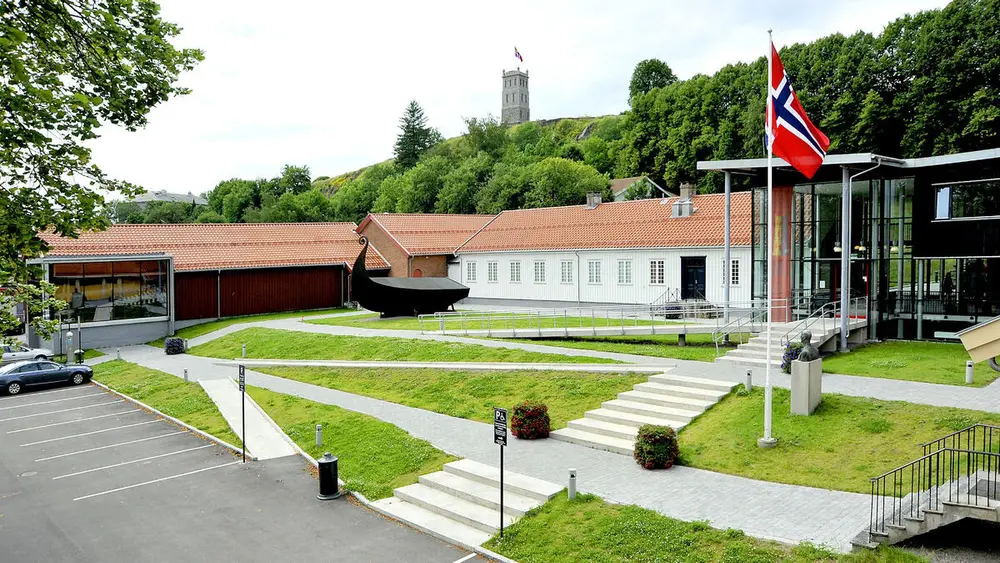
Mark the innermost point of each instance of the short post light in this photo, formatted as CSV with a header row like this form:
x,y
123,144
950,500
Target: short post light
x,y
969,371
571,489
749,381
244,349
319,435
118,353
69,344
185,375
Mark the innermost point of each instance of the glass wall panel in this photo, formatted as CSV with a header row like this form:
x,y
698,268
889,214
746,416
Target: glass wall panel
x,y
112,291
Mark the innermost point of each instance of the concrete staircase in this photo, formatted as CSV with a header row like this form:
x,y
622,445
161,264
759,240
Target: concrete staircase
x,y
461,504
666,399
753,353
929,517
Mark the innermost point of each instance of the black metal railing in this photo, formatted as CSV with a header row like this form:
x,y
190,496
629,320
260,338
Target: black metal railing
x,y
978,437
946,473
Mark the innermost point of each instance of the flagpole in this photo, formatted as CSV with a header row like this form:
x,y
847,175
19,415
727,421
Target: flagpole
x,y
768,440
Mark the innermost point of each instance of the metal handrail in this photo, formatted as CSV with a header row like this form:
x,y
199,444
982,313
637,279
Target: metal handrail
x,y
989,442
741,325
855,303
535,320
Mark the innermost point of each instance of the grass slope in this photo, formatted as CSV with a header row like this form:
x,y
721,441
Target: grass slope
x,y
205,328
374,457
285,344
589,529
841,446
495,322
929,362
472,395
168,394
700,347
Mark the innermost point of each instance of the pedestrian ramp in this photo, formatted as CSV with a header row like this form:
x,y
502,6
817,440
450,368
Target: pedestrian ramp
x,y
263,439
461,503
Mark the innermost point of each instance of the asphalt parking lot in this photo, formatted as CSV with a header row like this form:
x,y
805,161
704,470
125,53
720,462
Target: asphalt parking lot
x,y
87,476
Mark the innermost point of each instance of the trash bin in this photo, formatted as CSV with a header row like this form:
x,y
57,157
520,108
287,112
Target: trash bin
x,y
329,488
78,356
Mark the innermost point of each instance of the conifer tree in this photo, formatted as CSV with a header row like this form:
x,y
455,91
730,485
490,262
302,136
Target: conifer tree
x,y
415,137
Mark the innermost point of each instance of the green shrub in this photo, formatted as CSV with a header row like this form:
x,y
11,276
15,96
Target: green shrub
x,y
792,351
173,346
530,421
656,447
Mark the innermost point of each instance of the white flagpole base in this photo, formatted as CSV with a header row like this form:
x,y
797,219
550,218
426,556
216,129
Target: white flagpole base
x,y
767,443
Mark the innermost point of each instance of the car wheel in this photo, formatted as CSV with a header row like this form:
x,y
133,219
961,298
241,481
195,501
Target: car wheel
x,y
13,388
78,378
995,363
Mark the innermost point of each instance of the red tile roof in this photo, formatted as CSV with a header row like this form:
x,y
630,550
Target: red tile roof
x,y
628,224
427,233
224,246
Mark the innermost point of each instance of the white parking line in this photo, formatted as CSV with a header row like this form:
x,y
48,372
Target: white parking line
x,y
133,461
89,433
64,410
69,422
160,480
64,389
52,401
111,446
466,558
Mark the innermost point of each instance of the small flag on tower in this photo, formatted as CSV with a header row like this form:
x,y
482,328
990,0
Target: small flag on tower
x,y
517,55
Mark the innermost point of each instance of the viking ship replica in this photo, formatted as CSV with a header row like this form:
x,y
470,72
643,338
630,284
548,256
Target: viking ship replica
x,y
398,297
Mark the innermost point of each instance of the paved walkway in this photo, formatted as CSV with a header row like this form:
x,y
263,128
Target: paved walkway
x,y
262,439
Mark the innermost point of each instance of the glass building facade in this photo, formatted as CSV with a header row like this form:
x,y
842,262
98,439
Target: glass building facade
x,y
112,290
924,249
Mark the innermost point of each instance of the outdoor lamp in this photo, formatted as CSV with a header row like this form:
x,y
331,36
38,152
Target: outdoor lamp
x,y
836,248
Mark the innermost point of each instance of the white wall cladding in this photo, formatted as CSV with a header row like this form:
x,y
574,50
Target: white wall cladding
x,y
639,291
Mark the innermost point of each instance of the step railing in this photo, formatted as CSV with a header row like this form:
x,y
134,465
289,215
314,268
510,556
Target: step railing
x,y
826,318
962,467
947,475
750,323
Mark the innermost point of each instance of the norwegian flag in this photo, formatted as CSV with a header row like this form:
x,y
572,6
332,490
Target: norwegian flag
x,y
517,55
792,136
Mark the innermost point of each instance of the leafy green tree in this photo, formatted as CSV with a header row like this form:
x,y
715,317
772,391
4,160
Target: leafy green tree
x,y
650,74
486,135
241,197
462,184
356,198
505,189
557,181
120,211
414,138
389,192
422,184
209,216
68,67
639,189
168,212
572,151
294,179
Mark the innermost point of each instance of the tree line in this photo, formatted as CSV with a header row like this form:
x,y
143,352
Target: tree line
x,y
927,84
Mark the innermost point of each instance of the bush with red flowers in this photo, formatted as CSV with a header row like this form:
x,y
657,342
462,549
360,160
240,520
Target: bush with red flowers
x,y
530,421
656,447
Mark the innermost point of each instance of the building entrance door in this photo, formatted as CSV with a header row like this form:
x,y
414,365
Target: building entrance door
x,y
692,277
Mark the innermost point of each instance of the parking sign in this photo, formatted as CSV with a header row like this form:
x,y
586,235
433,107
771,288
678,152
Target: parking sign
x,y
500,426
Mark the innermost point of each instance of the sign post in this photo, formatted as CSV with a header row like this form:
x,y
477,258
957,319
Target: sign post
x,y
500,438
243,409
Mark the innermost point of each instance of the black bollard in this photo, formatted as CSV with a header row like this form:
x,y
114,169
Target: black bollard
x,y
329,489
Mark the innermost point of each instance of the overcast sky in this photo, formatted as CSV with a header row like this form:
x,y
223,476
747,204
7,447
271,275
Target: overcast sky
x,y
323,83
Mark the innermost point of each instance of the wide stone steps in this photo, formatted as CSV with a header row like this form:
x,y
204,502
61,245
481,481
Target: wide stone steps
x,y
665,400
461,504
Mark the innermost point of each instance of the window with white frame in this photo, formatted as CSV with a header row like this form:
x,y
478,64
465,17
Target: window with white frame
x,y
624,272
539,271
594,271
491,272
565,271
515,271
733,272
656,272
470,271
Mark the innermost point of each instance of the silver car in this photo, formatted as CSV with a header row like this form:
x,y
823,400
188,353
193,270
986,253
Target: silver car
x,y
17,352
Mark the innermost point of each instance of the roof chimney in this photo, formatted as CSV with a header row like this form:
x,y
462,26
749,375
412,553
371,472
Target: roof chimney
x,y
688,190
593,200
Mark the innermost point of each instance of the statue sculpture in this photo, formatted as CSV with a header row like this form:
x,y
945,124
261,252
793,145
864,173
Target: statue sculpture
x,y
809,352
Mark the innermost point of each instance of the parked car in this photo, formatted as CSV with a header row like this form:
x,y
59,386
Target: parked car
x,y
18,352
15,377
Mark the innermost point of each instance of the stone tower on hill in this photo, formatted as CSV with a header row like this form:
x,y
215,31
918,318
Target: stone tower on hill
x,y
515,97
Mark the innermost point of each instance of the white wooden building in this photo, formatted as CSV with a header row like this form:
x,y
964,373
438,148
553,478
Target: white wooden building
x,y
633,252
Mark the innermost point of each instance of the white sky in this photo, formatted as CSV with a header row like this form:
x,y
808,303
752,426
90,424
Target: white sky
x,y
323,83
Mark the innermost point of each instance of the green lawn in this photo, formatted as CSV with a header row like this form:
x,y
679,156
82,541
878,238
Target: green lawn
x,y
589,529
374,457
700,347
847,441
168,394
285,344
205,328
472,394
930,362
87,354
499,321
